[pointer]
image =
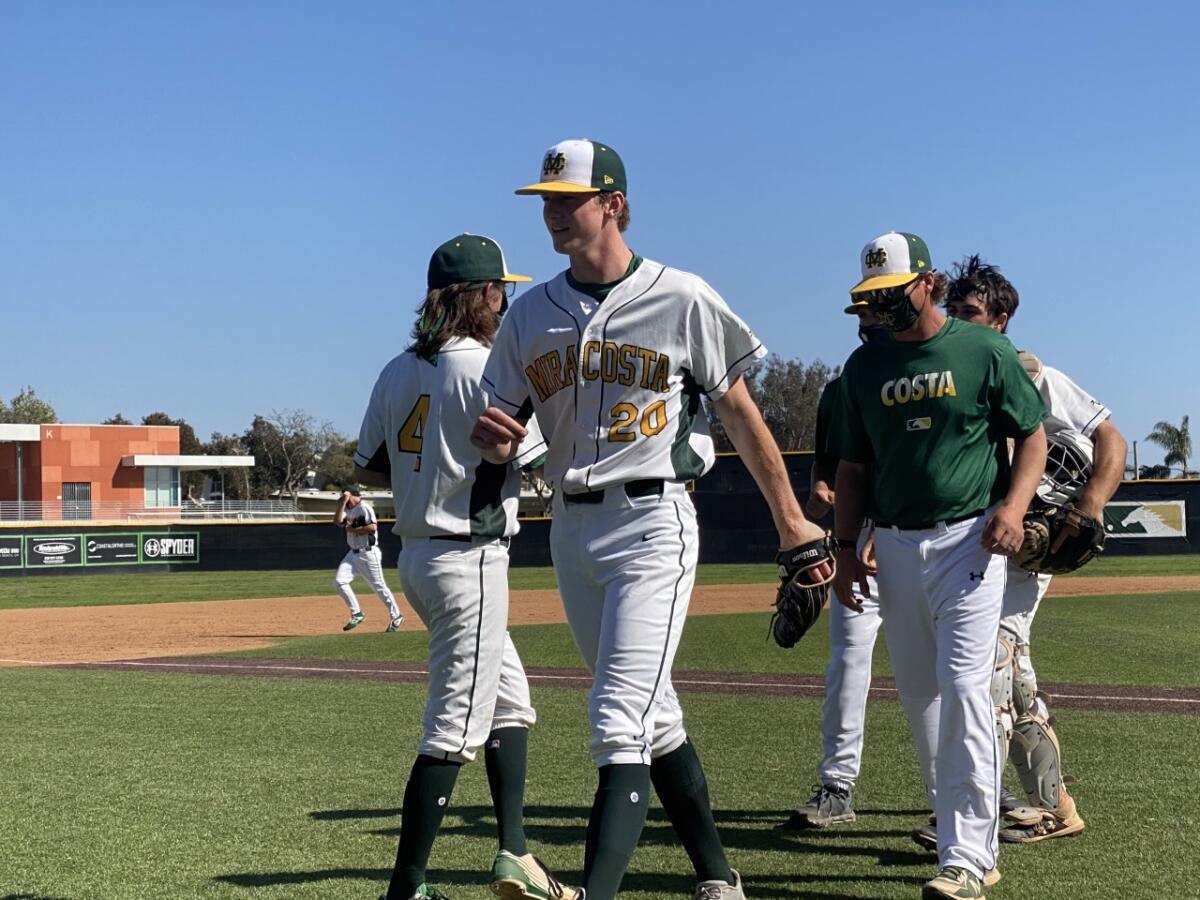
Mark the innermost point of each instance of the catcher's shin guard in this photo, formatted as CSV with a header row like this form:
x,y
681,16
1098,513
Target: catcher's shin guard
x,y
1002,687
1037,757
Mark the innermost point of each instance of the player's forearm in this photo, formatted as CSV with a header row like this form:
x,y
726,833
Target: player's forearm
x,y
1108,467
753,441
1029,464
823,473
850,500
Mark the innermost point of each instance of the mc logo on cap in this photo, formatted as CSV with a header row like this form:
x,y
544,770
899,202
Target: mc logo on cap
x,y
892,259
579,167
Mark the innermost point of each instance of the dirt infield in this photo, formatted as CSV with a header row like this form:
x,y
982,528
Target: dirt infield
x,y
105,633
1176,701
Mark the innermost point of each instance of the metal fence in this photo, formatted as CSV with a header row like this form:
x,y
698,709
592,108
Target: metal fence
x,y
110,511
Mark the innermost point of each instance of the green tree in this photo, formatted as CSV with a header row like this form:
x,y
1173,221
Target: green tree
x,y
27,409
287,446
1176,440
118,419
787,392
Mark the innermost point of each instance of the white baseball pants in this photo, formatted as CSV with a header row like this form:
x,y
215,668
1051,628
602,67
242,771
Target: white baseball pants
x,y
367,564
847,683
625,569
476,680
941,595
1022,596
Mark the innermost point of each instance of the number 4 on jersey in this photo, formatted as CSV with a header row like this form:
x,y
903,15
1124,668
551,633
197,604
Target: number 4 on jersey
x,y
412,432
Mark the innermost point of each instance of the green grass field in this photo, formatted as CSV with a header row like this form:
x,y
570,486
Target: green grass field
x,y
134,786
42,591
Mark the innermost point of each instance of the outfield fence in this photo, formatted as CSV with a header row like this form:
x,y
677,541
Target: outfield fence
x,y
50,511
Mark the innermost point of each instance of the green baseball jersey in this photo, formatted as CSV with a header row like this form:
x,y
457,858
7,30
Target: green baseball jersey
x,y
930,418
827,407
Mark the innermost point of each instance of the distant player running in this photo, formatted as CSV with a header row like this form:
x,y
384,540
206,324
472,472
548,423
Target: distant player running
x,y
357,517
455,513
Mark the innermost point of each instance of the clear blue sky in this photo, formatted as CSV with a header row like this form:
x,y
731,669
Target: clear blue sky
x,y
221,209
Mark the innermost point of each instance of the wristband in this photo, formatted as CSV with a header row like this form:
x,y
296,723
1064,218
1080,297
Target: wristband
x,y
844,544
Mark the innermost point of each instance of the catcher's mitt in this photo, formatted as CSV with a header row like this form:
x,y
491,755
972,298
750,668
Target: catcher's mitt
x,y
1081,536
798,602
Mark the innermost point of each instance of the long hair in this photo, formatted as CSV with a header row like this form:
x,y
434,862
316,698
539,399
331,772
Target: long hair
x,y
458,310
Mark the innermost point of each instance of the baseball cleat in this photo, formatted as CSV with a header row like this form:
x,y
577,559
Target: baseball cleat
x,y
394,625
955,883
355,619
926,835
517,877
1048,826
720,890
424,892
991,877
829,805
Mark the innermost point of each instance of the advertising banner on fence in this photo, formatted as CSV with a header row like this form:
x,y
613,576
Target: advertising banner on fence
x,y
1146,519
111,549
170,547
59,550
10,553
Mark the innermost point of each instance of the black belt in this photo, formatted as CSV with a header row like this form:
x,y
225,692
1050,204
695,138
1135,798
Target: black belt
x,y
954,521
641,487
457,538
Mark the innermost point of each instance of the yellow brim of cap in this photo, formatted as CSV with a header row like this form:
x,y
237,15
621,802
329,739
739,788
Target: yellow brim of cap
x,y
557,187
878,282
514,277
854,307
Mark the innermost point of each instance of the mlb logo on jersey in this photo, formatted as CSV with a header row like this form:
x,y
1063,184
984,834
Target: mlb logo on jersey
x,y
922,423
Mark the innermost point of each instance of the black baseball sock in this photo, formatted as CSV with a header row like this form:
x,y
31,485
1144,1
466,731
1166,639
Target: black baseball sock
x,y
618,816
425,800
504,755
683,791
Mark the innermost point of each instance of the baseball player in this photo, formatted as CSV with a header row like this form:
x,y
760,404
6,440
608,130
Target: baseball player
x,y
1086,463
455,515
614,355
357,517
919,439
851,635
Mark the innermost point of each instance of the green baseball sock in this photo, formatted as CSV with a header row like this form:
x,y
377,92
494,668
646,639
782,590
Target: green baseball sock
x,y
504,755
425,800
683,791
618,816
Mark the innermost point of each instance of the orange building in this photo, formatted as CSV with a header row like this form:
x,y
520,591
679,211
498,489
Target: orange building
x,y
97,466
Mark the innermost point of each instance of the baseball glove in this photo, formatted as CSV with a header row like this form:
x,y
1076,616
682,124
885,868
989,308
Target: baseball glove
x,y
1059,539
798,602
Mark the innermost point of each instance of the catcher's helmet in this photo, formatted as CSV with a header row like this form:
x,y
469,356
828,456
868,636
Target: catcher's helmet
x,y
1068,466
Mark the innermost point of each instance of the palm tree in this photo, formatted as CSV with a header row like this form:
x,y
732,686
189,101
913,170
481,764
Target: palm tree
x,y
1176,440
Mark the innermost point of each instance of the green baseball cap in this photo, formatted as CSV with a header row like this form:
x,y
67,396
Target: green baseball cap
x,y
469,258
579,167
892,259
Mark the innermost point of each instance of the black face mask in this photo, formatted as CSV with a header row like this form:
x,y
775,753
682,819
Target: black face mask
x,y
869,334
893,308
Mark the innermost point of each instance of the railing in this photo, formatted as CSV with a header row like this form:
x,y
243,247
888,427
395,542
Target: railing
x,y
109,511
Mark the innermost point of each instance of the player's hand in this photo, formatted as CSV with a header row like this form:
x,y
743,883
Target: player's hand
x,y
804,534
820,502
850,571
866,555
1005,531
496,430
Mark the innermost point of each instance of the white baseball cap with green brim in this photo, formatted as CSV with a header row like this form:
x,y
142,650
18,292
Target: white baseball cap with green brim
x,y
892,259
579,167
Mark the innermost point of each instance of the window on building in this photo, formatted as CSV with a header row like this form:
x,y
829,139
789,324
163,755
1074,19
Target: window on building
x,y
162,486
